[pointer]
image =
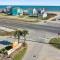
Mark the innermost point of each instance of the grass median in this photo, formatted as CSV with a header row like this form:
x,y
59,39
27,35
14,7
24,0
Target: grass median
x,y
20,54
55,42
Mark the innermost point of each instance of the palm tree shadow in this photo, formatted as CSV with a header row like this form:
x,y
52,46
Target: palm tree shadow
x,y
5,42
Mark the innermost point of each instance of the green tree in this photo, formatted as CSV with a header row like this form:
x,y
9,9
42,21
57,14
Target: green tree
x,y
24,33
17,34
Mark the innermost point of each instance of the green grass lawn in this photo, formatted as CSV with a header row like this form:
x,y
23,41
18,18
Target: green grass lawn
x,y
20,54
55,42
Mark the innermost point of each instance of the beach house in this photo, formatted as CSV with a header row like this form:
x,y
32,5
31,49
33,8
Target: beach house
x,y
42,11
39,12
17,11
8,10
25,12
34,12
44,15
30,12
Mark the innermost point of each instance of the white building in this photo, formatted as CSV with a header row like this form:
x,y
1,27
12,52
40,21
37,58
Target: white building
x,y
34,11
18,11
42,11
26,11
44,15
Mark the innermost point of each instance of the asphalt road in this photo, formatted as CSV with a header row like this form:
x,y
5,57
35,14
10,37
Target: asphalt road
x,y
17,24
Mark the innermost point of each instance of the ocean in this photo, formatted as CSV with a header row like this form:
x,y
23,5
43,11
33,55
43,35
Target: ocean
x,y
48,8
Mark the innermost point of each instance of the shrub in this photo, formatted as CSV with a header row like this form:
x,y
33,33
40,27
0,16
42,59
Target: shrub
x,y
8,47
4,50
55,42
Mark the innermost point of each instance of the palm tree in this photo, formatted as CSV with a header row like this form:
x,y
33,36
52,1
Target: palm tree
x,y
17,34
24,33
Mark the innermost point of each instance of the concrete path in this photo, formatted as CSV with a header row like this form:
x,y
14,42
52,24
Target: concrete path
x,y
39,51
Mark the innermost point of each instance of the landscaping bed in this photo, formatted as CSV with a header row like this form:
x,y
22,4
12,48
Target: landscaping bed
x,y
55,42
19,53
